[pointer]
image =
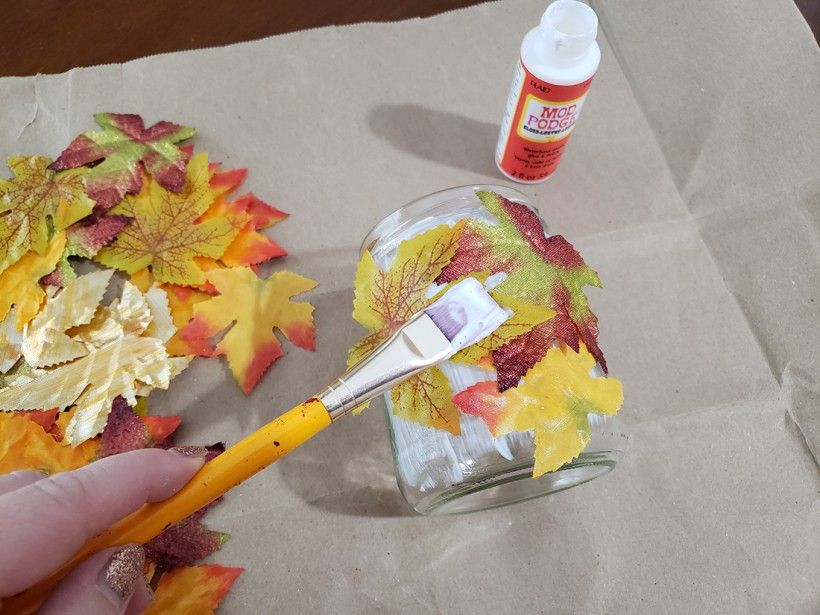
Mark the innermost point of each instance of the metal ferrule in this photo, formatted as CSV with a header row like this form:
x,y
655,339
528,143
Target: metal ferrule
x,y
419,344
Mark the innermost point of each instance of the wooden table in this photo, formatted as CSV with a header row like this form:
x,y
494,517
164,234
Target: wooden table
x,y
50,36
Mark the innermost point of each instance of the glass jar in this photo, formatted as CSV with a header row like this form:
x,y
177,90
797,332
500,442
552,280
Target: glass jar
x,y
439,473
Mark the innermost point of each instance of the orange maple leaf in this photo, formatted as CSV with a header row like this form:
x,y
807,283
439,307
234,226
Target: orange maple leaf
x,y
25,445
193,590
248,214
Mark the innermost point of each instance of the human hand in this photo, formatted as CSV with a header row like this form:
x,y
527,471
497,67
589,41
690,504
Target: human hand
x,y
46,520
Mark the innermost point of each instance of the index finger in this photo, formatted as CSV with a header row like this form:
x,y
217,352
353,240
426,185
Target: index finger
x,y
46,522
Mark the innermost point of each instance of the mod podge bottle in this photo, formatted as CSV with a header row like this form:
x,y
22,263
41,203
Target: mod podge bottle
x,y
558,59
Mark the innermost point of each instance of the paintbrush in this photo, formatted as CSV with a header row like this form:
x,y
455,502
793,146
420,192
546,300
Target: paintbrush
x,y
462,316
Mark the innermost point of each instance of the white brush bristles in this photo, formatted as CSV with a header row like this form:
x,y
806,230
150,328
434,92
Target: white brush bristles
x,y
466,314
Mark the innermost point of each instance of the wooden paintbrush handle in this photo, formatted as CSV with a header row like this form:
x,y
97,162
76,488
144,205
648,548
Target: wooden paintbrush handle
x,y
215,478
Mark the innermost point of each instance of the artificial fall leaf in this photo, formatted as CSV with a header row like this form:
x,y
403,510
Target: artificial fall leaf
x,y
262,214
161,428
525,316
19,284
165,234
142,279
553,399
193,590
183,543
84,239
124,431
518,355
426,399
46,419
11,341
129,314
385,299
118,358
181,301
122,145
225,182
92,382
250,247
36,203
25,445
539,269
46,342
20,373
248,214
162,324
254,307
186,542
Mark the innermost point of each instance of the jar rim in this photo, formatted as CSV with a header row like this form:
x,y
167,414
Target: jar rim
x,y
417,206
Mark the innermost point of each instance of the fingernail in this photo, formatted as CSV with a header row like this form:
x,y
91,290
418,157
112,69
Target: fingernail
x,y
198,452
123,571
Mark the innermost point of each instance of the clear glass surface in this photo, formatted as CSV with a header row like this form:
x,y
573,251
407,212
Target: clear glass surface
x,y
439,473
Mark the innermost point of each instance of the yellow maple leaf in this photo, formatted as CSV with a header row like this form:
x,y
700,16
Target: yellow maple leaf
x,y
385,299
35,203
142,279
19,284
25,445
252,307
165,233
426,399
192,590
554,399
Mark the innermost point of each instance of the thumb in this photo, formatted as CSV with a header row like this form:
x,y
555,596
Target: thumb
x,y
110,582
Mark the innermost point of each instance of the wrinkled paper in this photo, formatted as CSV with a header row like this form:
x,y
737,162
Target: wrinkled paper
x,y
690,184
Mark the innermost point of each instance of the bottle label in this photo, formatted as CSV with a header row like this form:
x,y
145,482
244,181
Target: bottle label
x,y
538,120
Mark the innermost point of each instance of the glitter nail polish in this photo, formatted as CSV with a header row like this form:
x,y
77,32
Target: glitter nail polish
x,y
124,570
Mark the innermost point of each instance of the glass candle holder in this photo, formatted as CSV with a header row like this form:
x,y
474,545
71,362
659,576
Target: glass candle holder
x,y
439,473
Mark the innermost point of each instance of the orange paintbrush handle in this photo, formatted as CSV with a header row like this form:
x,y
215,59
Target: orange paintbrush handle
x,y
238,463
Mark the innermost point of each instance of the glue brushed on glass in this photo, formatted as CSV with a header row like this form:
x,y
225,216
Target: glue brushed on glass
x,y
438,473
430,458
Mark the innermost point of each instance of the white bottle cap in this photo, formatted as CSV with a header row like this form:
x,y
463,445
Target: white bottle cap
x,y
569,28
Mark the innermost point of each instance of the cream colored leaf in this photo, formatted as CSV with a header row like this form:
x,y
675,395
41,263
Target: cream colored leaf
x,y
162,323
102,330
10,341
128,315
176,365
92,382
131,311
46,341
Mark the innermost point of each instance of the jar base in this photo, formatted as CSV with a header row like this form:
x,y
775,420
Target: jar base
x,y
516,485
